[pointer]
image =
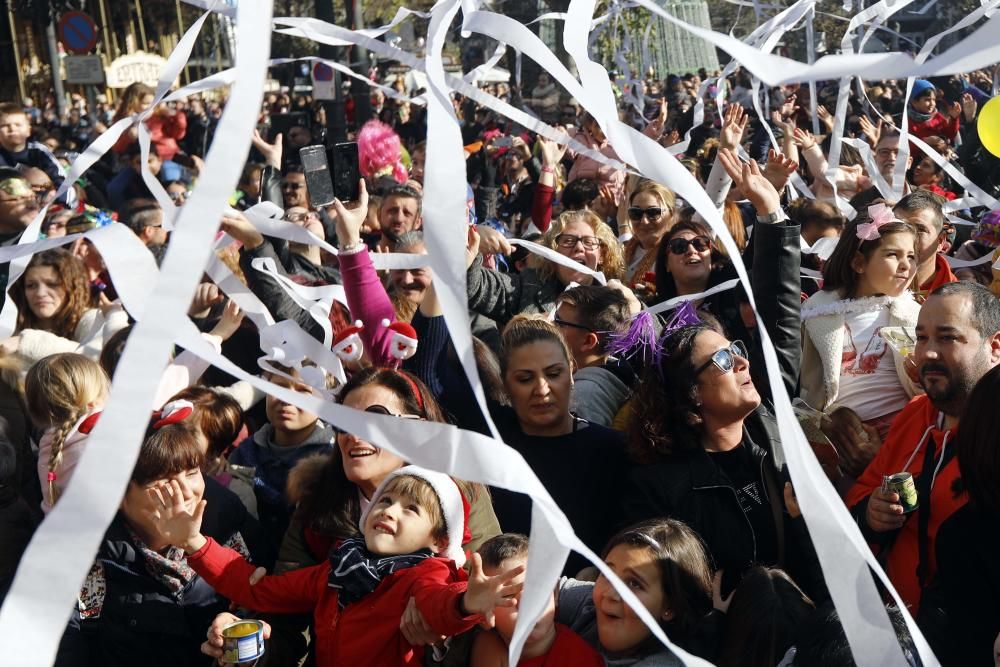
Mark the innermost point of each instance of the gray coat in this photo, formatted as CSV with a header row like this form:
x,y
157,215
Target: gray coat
x,y
598,395
501,296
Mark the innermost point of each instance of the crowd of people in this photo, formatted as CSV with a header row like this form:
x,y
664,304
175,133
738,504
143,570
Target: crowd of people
x,y
655,434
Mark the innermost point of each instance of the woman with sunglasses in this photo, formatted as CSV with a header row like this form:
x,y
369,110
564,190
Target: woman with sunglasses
x,y
702,440
651,210
331,490
578,235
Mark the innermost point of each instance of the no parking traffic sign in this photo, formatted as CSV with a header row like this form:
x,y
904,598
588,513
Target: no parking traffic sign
x,y
77,32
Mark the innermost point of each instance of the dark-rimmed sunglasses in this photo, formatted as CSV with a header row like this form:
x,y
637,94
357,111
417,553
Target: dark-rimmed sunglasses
x,y
570,241
725,359
680,246
651,213
381,410
573,325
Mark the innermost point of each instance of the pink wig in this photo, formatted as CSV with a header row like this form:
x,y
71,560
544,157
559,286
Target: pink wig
x,y
379,152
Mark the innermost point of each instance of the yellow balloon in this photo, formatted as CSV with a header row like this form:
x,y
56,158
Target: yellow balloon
x,y
989,126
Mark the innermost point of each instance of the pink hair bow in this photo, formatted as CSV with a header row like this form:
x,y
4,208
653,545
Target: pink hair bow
x,y
880,214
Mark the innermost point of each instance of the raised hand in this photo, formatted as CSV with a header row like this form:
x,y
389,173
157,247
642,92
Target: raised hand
x,y
825,117
232,318
804,139
779,169
236,225
552,152
350,220
272,152
174,523
734,122
486,593
206,295
471,246
786,126
748,177
871,132
969,107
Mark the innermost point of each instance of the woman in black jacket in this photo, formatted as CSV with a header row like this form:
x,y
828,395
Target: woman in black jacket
x,y
140,602
706,446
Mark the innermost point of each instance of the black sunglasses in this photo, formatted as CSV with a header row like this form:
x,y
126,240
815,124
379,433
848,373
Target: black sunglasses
x,y
680,246
381,410
573,325
725,359
651,213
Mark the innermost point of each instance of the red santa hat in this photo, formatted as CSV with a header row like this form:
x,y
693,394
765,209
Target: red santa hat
x,y
454,507
403,343
347,343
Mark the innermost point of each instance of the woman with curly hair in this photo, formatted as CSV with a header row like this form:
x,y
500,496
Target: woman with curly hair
x,y
579,235
55,312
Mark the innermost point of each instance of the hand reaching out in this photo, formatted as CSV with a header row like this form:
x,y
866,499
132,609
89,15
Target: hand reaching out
x,y
804,139
486,593
734,122
552,152
787,127
749,178
969,107
779,169
232,318
206,295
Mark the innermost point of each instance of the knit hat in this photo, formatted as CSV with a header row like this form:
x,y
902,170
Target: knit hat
x,y
920,88
347,343
454,507
403,343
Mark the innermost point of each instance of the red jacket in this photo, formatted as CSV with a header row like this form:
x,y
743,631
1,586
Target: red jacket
x,y
908,429
568,649
942,275
364,633
937,125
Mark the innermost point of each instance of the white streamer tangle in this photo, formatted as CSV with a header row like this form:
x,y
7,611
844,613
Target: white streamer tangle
x,y
61,551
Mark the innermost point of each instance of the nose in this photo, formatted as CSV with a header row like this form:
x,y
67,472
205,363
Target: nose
x,y
542,387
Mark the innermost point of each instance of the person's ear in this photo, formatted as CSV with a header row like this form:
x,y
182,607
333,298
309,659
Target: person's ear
x,y
591,341
858,263
994,343
439,545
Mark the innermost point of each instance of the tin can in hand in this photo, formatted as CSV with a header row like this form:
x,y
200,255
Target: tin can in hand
x,y
242,641
902,483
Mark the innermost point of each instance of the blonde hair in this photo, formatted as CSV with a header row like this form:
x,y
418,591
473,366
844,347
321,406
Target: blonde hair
x,y
612,259
527,329
666,196
58,390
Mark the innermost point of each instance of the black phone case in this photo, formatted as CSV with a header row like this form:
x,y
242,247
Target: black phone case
x,y
343,159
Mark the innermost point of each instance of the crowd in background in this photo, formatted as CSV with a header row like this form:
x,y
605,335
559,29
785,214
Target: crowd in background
x,y
655,433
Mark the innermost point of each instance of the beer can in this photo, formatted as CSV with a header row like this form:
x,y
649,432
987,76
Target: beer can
x,y
242,641
902,483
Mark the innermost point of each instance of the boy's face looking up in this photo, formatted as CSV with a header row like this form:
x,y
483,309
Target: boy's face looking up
x,y
506,617
398,523
14,131
292,425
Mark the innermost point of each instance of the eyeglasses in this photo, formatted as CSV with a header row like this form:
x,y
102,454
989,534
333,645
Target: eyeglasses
x,y
573,325
570,241
651,213
725,359
177,196
680,246
382,410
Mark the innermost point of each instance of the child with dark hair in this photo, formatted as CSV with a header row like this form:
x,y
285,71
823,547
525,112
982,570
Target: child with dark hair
x,y
548,642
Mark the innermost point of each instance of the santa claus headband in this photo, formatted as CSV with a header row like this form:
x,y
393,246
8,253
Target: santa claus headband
x,y
454,507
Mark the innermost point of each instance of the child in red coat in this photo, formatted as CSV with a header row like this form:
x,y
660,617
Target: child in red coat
x,y
924,118
549,643
411,548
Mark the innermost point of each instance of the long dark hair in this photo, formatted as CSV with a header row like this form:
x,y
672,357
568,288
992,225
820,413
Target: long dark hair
x,y
685,575
666,288
977,444
838,273
766,610
666,419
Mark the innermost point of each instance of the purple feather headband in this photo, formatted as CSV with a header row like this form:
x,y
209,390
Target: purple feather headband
x,y
640,337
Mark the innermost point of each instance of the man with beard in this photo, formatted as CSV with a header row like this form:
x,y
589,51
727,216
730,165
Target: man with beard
x,y
958,341
399,213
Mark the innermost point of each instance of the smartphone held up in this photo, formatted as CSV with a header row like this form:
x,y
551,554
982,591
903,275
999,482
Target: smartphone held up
x,y
331,173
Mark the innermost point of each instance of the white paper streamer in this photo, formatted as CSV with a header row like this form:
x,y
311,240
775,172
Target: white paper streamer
x,y
560,259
